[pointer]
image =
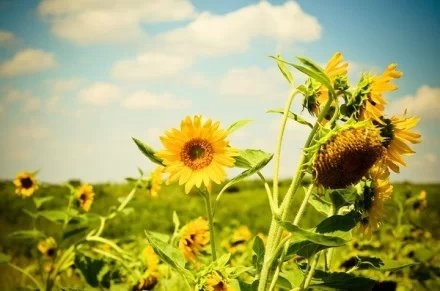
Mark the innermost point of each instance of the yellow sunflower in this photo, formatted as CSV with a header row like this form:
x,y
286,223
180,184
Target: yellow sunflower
x,y
151,260
85,196
237,242
215,282
396,133
197,153
374,103
25,184
47,247
374,197
156,181
194,237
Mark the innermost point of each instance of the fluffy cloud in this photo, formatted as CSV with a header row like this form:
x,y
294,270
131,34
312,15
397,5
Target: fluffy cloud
x,y
100,94
149,66
6,38
424,103
96,21
253,82
61,86
25,99
27,61
147,100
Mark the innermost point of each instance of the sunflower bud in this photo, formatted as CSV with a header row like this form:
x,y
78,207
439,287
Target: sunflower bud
x,y
347,156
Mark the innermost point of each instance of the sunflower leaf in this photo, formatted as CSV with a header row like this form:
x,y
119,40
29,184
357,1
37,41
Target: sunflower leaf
x,y
292,116
341,281
319,76
238,124
27,234
283,68
321,239
148,151
4,258
41,200
339,222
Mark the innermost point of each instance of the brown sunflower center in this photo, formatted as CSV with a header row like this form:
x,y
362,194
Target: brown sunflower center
x,y
386,131
26,182
83,197
197,153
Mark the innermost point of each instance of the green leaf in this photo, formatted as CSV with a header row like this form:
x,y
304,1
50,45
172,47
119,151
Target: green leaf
x,y
27,234
169,254
321,239
304,249
148,151
53,215
248,287
342,281
283,282
292,116
364,262
90,269
320,204
316,75
258,256
342,198
238,124
339,222
40,201
283,68
4,258
74,231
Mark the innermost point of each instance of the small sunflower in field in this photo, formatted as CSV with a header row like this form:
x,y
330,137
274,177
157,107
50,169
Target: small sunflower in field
x,y
47,247
194,237
237,241
374,197
156,181
215,282
396,132
373,104
197,153
421,202
25,184
347,156
151,275
85,196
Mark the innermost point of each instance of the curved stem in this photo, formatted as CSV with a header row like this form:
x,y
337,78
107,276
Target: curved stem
x,y
310,273
303,205
268,192
277,155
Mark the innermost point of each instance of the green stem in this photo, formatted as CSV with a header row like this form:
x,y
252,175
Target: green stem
x,y
269,193
209,212
277,155
310,273
303,205
24,272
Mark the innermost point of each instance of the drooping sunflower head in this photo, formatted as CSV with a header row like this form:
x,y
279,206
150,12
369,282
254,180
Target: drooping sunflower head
x,y
85,196
25,184
375,193
215,282
373,103
194,237
197,153
347,156
48,247
396,133
156,181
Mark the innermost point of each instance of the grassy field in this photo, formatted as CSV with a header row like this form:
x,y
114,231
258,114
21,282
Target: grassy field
x,y
244,204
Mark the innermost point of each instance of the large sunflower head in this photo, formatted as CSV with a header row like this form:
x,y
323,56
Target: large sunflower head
x,y
397,133
374,196
25,184
347,156
373,104
85,196
197,153
194,237
47,247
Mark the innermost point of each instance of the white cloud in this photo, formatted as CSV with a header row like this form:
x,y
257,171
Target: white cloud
x,y
147,100
31,104
424,103
60,86
96,21
27,61
100,94
25,99
150,66
253,82
214,35
6,38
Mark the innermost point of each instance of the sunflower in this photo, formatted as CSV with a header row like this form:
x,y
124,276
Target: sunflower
x,y
47,247
197,153
374,103
25,184
396,133
85,196
374,197
194,237
151,260
215,282
237,242
347,156
156,181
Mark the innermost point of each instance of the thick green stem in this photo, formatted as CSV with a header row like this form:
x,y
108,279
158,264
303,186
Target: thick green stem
x,y
209,212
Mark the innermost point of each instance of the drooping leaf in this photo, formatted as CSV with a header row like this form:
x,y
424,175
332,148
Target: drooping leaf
x,y
283,68
321,239
339,222
365,262
292,116
342,281
238,124
27,234
39,201
53,215
148,151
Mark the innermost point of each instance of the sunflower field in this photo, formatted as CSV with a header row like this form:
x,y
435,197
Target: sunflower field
x,y
337,224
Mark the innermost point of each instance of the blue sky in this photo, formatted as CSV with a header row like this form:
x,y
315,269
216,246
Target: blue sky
x,y
79,78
